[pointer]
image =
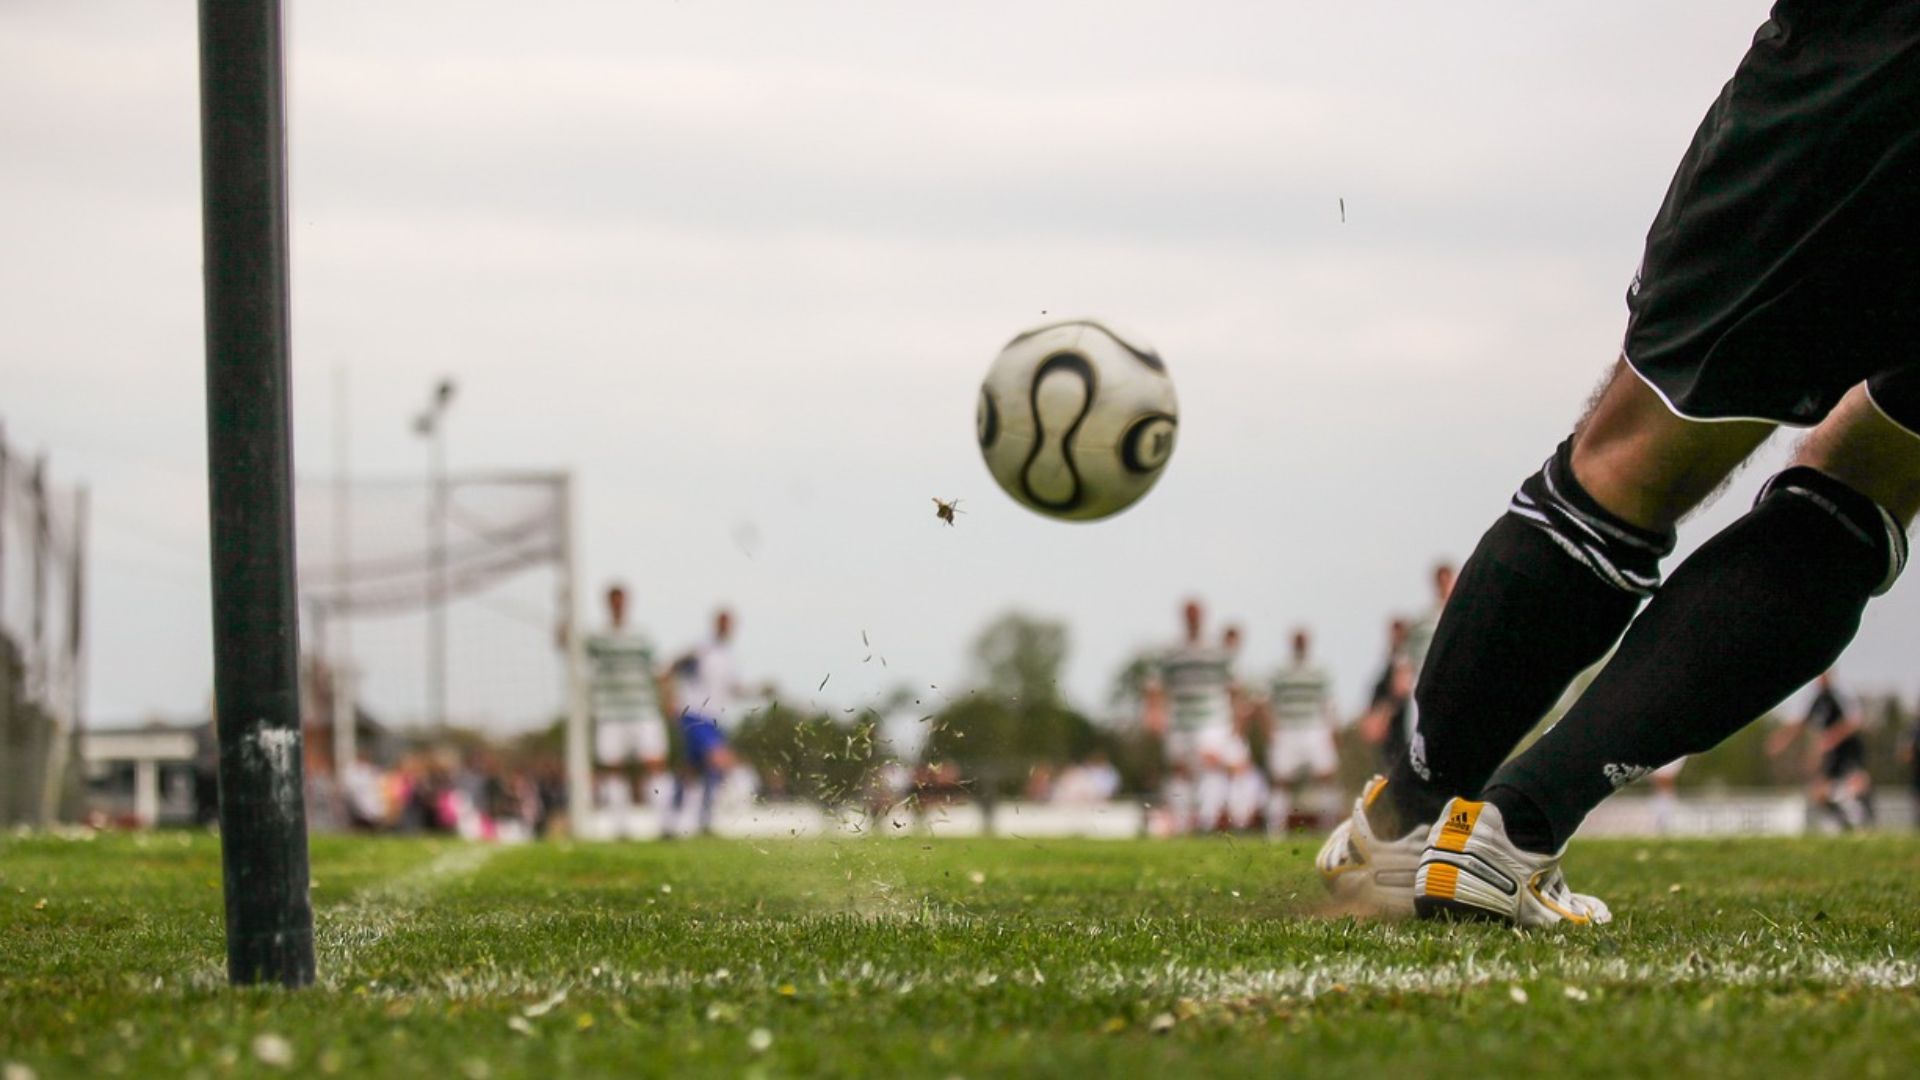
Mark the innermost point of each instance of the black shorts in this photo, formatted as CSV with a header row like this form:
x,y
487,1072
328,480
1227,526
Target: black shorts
x,y
1784,267
1844,760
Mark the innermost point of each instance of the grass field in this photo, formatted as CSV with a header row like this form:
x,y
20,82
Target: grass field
x,y
944,958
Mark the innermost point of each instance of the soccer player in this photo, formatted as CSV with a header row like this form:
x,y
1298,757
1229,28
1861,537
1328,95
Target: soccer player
x,y
1666,794
629,699
709,690
1300,752
1188,701
1421,630
1227,753
1841,784
1779,286
1384,725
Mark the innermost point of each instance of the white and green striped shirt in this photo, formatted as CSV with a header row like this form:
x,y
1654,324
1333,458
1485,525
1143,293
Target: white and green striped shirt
x,y
1300,696
621,686
1198,680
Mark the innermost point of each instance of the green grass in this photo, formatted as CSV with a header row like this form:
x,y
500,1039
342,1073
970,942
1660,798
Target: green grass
x,y
939,958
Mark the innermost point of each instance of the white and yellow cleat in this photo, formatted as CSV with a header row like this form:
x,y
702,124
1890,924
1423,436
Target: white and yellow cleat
x,y
1359,868
1471,870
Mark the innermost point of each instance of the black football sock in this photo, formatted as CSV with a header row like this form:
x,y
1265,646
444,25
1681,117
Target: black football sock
x,y
1760,610
1543,597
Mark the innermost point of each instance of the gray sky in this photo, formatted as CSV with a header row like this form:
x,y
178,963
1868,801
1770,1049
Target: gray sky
x,y
743,264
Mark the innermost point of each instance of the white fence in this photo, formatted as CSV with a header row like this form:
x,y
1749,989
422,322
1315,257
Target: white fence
x,y
1732,814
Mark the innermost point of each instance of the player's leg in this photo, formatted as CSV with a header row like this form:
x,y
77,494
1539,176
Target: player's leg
x,y
1243,796
1284,768
1551,586
1326,777
1757,612
1666,795
1211,789
1177,789
656,784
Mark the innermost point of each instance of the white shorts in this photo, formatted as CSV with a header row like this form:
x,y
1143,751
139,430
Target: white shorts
x,y
617,742
1301,754
1224,745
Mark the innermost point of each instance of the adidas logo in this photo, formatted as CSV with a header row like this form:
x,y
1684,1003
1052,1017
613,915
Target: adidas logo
x,y
1460,821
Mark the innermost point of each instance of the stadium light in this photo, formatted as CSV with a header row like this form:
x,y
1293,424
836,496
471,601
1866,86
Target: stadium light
x,y
256,630
431,425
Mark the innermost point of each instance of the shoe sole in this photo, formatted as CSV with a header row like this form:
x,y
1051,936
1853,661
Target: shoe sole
x,y
1435,909
1461,886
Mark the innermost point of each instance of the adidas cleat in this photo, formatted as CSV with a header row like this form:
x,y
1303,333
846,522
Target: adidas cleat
x,y
1471,870
1361,869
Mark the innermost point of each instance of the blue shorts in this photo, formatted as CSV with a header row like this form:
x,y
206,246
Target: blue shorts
x,y
703,736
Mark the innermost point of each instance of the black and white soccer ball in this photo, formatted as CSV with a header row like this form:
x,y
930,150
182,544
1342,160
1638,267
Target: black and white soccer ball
x,y
1076,420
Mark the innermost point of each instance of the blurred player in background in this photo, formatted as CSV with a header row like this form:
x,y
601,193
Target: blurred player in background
x,y
1300,758
1666,794
1420,631
1384,725
1779,285
709,691
1187,702
1841,784
629,699
1229,775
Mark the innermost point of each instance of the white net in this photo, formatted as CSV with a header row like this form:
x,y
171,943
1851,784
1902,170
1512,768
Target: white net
x,y
496,526
494,558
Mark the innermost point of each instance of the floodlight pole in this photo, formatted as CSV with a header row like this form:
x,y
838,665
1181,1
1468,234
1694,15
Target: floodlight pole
x,y
256,639
431,425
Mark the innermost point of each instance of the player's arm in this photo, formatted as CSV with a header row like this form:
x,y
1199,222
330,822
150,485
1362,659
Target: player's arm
x,y
667,691
1372,724
1783,736
1848,727
1153,706
1259,722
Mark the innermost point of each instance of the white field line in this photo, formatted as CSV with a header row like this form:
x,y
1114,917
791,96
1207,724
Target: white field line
x,y
363,919
369,916
1200,984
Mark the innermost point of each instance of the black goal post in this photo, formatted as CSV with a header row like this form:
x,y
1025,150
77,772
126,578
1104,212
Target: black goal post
x,y
256,641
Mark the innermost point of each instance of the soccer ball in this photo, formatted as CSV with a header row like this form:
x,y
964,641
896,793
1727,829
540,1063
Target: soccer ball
x,y
1077,421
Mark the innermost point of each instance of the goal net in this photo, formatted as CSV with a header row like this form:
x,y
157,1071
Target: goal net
x,y
441,605
42,641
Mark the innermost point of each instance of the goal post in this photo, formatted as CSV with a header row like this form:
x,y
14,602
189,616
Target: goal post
x,y
256,632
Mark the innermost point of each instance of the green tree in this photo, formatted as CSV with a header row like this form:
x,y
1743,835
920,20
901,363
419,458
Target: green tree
x,y
1014,718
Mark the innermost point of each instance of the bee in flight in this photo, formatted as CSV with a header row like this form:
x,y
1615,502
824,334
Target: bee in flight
x,y
945,510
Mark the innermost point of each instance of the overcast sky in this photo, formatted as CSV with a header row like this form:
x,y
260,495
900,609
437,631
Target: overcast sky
x,y
740,267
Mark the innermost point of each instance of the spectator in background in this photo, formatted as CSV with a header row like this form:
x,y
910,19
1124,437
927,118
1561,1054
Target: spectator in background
x,y
1099,781
364,789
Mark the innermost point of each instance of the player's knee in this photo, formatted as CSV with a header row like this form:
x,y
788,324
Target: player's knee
x,y
1861,445
1622,555
1859,515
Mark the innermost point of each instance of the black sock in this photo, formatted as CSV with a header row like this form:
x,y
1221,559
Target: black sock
x,y
1757,612
1544,595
